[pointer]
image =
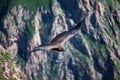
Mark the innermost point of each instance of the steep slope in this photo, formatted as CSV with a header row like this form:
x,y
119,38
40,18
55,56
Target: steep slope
x,y
92,54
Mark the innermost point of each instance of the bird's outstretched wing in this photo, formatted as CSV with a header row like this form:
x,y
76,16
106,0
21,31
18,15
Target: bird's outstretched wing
x,y
59,40
44,47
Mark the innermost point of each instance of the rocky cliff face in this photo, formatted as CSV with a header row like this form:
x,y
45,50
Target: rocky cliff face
x,y
93,54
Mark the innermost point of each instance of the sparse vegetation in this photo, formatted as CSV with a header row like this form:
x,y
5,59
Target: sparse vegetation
x,y
45,30
20,61
117,64
31,5
39,75
7,56
108,29
80,54
53,70
29,31
114,3
7,67
97,47
88,40
99,0
101,51
79,61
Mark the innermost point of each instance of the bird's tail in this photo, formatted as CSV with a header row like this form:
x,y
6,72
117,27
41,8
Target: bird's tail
x,y
34,50
37,48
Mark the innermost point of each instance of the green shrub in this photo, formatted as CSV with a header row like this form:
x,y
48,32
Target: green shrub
x,y
7,56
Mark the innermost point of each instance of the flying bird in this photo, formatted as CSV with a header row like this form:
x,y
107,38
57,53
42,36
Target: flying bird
x,y
59,40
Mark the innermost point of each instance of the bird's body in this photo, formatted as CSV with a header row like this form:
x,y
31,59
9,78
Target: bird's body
x,y
59,40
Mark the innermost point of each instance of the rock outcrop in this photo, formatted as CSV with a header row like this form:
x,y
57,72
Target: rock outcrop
x,y
93,54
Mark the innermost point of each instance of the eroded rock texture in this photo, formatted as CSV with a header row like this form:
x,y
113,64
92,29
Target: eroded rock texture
x,y
92,54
